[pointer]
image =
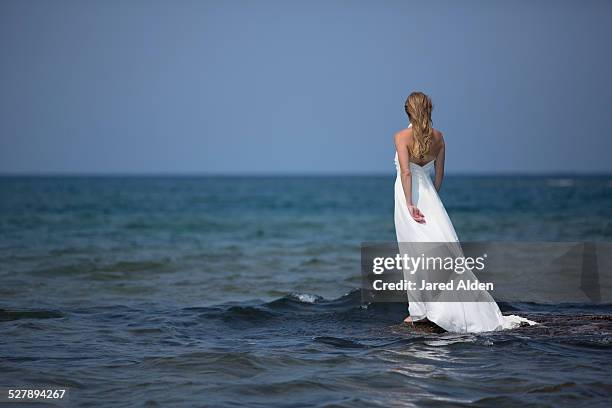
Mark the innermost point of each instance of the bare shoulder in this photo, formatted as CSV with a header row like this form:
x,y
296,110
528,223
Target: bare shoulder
x,y
438,137
403,136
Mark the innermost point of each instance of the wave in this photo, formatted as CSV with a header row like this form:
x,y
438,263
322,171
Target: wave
x,y
8,315
586,324
352,302
339,342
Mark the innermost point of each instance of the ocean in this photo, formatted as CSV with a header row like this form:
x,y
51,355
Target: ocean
x,y
243,291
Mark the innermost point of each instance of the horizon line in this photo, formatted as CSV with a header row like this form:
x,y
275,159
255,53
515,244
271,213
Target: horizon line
x,y
52,174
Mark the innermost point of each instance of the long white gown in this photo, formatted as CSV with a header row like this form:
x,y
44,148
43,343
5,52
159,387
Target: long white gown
x,y
454,315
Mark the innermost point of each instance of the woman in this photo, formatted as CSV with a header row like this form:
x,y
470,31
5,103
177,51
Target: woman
x,y
421,218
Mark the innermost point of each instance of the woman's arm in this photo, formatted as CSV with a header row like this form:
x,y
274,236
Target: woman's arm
x,y
403,157
439,167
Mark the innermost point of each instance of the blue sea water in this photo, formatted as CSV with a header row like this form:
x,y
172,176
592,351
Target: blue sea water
x,y
232,291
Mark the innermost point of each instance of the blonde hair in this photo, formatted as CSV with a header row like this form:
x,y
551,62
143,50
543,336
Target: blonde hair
x,y
418,106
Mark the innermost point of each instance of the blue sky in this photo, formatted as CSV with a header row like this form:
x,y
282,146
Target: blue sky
x,y
255,87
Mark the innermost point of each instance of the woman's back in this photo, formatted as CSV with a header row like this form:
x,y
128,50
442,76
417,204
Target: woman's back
x,y
436,144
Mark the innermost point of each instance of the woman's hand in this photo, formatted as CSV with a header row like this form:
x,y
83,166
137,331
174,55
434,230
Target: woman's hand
x,y
416,214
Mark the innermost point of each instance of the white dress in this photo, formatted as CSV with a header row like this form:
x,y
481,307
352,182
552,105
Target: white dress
x,y
453,315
